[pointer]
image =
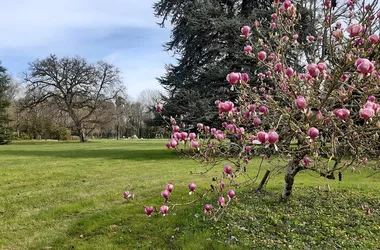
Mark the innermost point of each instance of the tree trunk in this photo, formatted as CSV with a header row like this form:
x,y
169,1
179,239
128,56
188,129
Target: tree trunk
x,y
82,134
291,170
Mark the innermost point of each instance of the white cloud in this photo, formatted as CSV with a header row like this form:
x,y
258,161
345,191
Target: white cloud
x,y
37,22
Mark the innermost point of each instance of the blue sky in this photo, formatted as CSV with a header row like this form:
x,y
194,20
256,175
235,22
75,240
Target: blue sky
x,y
122,32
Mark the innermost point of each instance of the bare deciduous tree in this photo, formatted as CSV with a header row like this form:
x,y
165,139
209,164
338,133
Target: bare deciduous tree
x,y
76,86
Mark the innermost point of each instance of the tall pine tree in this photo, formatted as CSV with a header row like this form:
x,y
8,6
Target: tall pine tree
x,y
5,133
205,38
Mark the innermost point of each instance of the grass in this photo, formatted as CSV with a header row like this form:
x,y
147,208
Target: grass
x,y
67,195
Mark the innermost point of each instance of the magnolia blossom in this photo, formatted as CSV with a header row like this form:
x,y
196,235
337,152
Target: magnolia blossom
x,y
127,194
165,194
245,31
354,30
221,201
248,49
342,114
313,69
231,194
364,66
301,102
164,210
225,106
262,55
169,187
192,187
148,210
374,38
233,78
366,113
313,133
306,161
272,137
262,136
228,169
159,107
207,208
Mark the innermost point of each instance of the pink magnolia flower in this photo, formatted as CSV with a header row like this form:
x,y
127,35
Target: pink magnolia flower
x,y
287,4
165,194
194,144
251,107
274,16
370,105
371,98
364,66
354,30
295,36
207,128
200,125
245,31
262,136
169,187
159,107
307,161
228,169
278,67
127,194
322,66
233,78
272,137
256,121
366,113
313,69
192,187
310,38
207,208
374,38
244,77
271,26
231,193
248,49
342,114
173,143
175,128
264,110
148,210
313,133
225,106
301,102
221,201
192,136
221,186
289,72
262,55
164,210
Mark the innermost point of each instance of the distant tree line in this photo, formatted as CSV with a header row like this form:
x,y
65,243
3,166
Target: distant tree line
x,y
70,98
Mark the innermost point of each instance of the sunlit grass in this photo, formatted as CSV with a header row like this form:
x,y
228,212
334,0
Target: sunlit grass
x,y
62,195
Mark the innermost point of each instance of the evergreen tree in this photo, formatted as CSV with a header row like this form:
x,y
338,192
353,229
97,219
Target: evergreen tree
x,y
5,133
205,39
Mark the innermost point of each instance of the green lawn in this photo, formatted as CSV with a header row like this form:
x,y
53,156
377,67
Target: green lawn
x,y
68,195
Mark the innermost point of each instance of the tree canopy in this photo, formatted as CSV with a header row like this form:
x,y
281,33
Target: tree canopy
x,y
77,87
5,80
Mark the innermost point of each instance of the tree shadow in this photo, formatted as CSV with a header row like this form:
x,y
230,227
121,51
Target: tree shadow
x,y
137,155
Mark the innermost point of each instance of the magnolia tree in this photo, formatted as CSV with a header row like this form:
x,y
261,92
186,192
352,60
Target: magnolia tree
x,y
323,117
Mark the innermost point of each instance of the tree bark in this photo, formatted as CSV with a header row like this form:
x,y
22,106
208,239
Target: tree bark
x,y
291,171
82,134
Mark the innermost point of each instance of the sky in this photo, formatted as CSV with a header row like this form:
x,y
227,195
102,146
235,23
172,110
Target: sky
x,y
122,32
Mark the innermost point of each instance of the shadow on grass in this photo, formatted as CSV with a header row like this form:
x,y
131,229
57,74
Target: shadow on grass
x,y
137,155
